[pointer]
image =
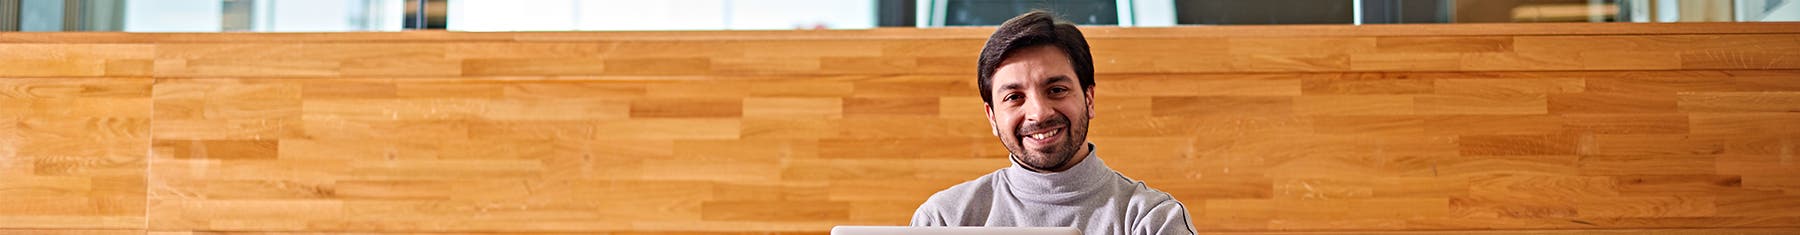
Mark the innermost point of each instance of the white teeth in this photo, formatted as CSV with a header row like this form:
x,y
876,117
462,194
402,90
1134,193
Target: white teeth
x,y
1042,135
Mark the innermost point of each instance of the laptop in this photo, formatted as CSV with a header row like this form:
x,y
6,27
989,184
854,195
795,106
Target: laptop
x,y
905,230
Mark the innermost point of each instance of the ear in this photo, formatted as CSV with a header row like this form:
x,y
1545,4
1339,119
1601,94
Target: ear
x,y
990,115
1090,102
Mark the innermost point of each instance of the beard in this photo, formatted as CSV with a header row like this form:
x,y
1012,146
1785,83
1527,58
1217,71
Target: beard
x,y
1048,158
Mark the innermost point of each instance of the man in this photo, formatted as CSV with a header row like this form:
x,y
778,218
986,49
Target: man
x,y
1037,80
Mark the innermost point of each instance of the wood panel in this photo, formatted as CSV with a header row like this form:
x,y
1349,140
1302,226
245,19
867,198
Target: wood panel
x,y
1498,129
71,152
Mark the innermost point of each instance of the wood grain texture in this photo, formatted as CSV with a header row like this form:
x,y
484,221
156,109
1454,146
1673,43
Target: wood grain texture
x,y
71,152
1420,129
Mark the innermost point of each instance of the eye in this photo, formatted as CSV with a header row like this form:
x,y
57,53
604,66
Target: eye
x,y
1013,96
1058,90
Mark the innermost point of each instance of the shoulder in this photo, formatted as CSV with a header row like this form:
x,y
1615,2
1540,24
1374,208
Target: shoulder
x,y
1158,212
966,198
962,194
1142,196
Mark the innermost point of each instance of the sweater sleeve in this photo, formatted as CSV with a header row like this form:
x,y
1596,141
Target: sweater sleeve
x,y
927,216
1167,218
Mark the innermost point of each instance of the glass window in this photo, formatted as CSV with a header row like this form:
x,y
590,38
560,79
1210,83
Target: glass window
x,y
174,16
994,12
202,15
562,15
1534,11
1229,12
1767,10
327,16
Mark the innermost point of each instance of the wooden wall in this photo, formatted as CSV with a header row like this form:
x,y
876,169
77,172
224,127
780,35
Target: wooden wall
x,y
1502,128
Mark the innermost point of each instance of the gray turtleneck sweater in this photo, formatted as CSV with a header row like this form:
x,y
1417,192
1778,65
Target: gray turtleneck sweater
x,y
1088,196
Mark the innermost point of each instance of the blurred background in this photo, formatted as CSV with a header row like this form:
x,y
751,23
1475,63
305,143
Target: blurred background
x,y
610,15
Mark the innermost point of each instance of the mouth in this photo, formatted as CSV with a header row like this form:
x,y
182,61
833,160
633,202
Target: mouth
x,y
1043,136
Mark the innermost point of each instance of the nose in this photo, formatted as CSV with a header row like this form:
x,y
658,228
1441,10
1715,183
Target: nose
x,y
1035,109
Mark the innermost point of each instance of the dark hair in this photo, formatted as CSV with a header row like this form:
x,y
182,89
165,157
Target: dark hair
x,y
1032,29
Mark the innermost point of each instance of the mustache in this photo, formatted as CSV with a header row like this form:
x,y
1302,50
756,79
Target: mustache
x,y
1052,121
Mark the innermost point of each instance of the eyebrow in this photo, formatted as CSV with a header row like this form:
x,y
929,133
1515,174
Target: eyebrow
x,y
1056,79
1047,81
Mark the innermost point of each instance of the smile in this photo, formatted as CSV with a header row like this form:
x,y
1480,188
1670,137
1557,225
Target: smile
x,y
1043,135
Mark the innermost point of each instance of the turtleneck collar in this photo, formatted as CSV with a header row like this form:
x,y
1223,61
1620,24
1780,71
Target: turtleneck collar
x,y
1060,188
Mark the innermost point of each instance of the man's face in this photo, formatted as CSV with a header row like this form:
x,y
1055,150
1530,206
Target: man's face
x,y
1039,110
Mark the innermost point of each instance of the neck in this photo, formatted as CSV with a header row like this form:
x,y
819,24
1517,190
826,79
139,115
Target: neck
x,y
1074,182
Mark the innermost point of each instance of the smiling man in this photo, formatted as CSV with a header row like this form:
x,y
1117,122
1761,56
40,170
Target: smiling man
x,y
1037,80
